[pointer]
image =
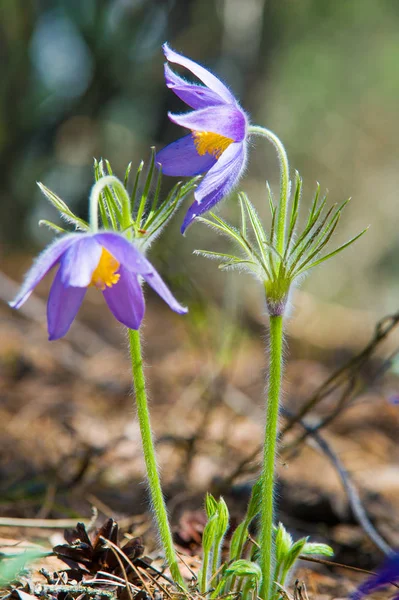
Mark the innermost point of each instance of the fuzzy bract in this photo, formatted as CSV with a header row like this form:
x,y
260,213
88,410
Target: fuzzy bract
x,y
104,260
217,144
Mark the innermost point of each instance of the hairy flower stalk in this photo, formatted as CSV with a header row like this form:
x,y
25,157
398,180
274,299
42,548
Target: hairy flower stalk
x,y
274,383
154,482
217,148
277,259
109,260
269,453
143,414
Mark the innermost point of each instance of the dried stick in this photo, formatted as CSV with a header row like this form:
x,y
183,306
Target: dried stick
x,y
383,328
41,523
356,505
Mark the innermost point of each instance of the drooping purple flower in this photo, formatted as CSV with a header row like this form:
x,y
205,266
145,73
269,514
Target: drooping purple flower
x,y
217,144
386,574
104,260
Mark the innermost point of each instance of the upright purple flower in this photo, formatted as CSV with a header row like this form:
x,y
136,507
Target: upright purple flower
x,y
217,144
386,574
104,260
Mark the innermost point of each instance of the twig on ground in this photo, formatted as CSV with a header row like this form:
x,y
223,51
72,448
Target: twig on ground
x,y
344,401
161,587
119,553
78,589
383,328
194,575
41,523
122,567
356,505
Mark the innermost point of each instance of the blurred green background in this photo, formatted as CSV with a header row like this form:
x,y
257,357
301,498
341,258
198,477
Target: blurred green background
x,y
85,78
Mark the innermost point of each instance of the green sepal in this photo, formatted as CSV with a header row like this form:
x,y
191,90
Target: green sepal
x,y
208,541
333,253
294,553
105,218
244,568
238,540
110,203
278,270
208,537
136,186
311,549
63,208
283,543
307,241
211,505
156,220
224,228
237,262
147,214
294,212
223,518
139,202
243,217
52,226
241,533
256,224
217,255
127,175
219,512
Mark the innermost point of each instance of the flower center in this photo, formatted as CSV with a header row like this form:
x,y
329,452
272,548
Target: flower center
x,y
211,143
105,273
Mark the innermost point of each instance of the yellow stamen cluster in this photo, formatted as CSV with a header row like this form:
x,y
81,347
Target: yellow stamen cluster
x,y
105,273
211,143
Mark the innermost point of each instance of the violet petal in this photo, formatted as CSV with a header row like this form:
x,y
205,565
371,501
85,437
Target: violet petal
x,y
226,120
42,265
387,573
203,74
181,159
62,306
196,96
154,280
134,262
125,299
218,182
124,252
79,262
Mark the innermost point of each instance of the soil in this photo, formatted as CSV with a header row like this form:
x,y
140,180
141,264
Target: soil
x,y
70,441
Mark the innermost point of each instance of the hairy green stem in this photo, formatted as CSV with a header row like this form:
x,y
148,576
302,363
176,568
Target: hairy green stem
x,y
204,571
157,499
275,373
284,184
250,590
269,455
96,190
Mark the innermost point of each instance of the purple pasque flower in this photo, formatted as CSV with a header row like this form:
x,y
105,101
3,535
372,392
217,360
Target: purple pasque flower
x,y
386,574
217,144
104,260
